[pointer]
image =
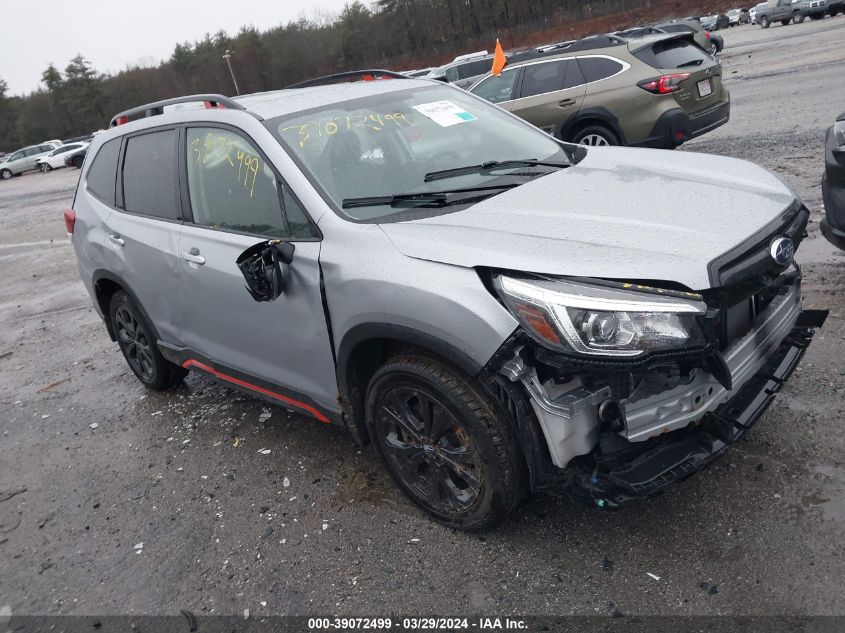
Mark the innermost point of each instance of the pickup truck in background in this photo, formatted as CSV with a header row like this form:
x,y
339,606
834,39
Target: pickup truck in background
x,y
786,11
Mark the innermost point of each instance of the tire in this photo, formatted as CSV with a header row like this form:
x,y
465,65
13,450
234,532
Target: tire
x,y
595,135
785,22
77,161
461,463
797,17
44,168
6,174
764,22
137,341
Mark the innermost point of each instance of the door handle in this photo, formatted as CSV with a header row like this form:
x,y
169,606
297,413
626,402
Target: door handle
x,y
194,257
116,239
566,102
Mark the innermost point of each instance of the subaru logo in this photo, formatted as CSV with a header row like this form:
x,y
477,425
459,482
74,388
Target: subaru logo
x,y
782,250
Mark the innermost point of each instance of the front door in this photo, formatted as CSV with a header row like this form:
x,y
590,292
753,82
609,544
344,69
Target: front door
x,y
237,200
549,93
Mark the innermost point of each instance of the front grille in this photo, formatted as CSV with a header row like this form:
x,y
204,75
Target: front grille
x,y
750,264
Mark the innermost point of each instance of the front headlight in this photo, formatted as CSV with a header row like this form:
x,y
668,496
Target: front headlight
x,y
602,321
839,134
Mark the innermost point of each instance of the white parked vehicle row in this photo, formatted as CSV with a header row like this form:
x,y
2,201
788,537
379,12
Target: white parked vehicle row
x,y
56,158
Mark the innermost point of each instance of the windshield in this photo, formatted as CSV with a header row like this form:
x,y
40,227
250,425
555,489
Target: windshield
x,y
384,145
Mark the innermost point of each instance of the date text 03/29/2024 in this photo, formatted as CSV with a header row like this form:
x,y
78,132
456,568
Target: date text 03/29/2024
x,y
416,624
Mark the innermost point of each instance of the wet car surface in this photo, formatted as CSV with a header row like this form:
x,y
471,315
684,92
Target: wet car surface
x,y
92,465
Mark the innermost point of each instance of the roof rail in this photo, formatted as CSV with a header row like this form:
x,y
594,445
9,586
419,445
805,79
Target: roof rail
x,y
157,107
584,44
367,74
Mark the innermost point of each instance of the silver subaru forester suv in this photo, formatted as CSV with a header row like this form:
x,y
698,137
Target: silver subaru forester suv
x,y
494,310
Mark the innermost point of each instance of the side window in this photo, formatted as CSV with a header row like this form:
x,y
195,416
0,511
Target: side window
x,y
497,89
597,68
231,187
45,148
574,76
452,73
16,156
103,172
31,151
475,68
541,78
150,173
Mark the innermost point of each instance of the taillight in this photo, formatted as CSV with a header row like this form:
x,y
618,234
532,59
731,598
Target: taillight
x,y
70,220
665,84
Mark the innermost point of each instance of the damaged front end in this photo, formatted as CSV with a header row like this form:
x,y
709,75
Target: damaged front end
x,y
636,387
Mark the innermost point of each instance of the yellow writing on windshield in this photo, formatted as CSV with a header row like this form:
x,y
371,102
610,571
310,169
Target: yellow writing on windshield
x,y
373,122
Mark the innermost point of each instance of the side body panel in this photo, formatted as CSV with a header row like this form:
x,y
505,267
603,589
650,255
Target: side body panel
x,y
285,342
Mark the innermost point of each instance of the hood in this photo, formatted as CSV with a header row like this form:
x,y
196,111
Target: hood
x,y
620,213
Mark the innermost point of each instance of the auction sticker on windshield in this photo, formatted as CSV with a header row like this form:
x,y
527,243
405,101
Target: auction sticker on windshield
x,y
444,113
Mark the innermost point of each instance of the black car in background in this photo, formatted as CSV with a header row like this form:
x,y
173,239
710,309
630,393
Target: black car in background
x,y
77,158
833,184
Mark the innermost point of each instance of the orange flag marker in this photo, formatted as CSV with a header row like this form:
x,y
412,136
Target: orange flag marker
x,y
499,59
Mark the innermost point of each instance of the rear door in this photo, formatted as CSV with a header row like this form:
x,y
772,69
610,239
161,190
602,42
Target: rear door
x,y
142,234
237,199
550,92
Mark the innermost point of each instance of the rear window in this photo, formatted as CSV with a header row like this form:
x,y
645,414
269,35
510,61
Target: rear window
x,y
597,68
680,53
472,69
103,171
149,175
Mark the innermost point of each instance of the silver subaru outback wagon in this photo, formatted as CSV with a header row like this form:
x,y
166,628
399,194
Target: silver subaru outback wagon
x,y
486,305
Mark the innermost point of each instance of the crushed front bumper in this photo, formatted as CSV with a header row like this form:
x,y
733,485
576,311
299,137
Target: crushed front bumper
x,y
679,454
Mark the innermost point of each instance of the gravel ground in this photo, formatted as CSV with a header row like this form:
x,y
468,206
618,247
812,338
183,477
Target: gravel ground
x,y
115,500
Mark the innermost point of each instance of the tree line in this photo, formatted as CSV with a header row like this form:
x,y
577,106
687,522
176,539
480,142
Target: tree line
x,y
397,34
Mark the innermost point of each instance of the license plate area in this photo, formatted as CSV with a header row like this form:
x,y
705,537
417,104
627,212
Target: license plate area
x,y
704,88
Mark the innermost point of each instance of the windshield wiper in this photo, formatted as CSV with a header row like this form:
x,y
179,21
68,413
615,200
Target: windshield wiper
x,y
692,62
489,166
424,198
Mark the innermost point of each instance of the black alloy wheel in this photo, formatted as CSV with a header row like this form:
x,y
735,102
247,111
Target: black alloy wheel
x,y
137,341
447,444
425,443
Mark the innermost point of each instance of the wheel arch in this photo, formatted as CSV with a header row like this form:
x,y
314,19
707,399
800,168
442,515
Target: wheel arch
x,y
106,284
591,116
365,347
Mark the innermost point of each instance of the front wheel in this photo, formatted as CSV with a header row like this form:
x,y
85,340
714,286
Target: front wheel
x,y
77,161
6,174
445,442
595,135
44,167
798,18
137,342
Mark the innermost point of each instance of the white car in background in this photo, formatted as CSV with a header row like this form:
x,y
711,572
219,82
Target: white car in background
x,y
56,158
753,13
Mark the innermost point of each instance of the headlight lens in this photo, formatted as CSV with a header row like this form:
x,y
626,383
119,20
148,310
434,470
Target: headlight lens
x,y
839,134
601,321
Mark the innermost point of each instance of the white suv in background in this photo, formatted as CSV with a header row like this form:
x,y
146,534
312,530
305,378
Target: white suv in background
x,y
25,159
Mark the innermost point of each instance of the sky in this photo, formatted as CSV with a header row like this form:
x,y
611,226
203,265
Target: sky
x,y
114,34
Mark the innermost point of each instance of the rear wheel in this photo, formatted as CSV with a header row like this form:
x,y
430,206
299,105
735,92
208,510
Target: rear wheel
x,y
445,442
77,161
6,174
138,344
44,167
595,135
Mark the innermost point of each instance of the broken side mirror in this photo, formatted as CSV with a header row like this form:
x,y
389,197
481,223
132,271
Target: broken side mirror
x,y
261,266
